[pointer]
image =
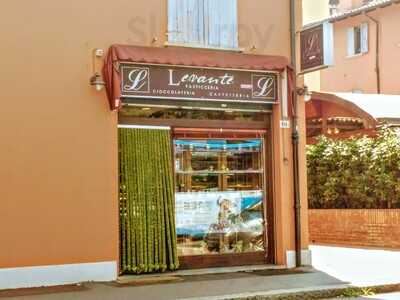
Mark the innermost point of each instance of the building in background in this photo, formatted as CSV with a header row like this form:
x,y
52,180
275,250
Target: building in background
x,y
366,52
367,47
88,186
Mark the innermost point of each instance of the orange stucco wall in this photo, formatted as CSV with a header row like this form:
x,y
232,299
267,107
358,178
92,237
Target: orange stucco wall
x,y
358,72
58,175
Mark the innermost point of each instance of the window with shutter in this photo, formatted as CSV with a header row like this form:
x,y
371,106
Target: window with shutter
x,y
205,23
357,40
350,42
185,19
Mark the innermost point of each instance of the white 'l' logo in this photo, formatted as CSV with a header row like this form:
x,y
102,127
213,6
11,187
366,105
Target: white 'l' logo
x,y
265,85
138,78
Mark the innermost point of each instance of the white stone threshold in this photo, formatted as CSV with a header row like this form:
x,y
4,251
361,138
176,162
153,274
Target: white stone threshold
x,y
290,258
205,271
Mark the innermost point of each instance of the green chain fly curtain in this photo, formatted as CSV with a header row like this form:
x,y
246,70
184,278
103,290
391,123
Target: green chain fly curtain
x,y
147,208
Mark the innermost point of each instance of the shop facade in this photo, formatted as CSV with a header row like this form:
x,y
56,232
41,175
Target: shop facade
x,y
217,108
185,162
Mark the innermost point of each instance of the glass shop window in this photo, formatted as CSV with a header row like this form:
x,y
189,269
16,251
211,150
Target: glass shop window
x,y
219,196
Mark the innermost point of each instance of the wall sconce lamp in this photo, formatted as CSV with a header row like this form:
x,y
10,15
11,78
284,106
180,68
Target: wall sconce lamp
x,y
303,91
96,80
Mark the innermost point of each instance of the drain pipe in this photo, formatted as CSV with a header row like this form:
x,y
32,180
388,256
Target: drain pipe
x,y
295,137
377,54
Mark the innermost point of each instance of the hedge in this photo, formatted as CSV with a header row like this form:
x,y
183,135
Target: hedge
x,y
355,173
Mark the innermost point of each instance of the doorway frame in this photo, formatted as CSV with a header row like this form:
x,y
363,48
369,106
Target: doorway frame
x,y
228,260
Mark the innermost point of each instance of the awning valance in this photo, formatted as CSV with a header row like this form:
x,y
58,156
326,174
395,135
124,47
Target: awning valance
x,y
185,57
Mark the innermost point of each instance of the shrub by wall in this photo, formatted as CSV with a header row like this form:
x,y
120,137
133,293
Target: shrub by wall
x,y
355,173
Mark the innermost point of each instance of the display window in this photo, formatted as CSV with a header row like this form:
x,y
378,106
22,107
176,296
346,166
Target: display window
x,y
219,200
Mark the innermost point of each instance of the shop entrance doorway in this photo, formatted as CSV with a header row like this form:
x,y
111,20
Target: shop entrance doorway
x,y
222,185
220,195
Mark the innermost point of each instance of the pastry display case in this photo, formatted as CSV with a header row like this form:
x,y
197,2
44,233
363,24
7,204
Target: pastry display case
x,y
218,165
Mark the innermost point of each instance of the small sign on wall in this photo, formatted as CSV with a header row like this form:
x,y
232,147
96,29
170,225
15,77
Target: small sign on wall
x,y
316,46
285,124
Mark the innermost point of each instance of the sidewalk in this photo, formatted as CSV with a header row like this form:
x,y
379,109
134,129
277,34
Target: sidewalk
x,y
361,267
338,268
197,287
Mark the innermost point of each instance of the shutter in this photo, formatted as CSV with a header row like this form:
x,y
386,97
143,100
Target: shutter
x,y
350,41
185,21
221,23
364,37
232,25
212,22
173,34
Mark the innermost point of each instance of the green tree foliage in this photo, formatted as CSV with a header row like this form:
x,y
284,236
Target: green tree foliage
x,y
147,208
355,173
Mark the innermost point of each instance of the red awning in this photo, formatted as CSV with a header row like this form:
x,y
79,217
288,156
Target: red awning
x,y
186,57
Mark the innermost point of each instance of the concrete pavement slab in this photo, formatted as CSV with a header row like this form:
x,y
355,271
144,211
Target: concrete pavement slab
x,y
361,267
196,289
